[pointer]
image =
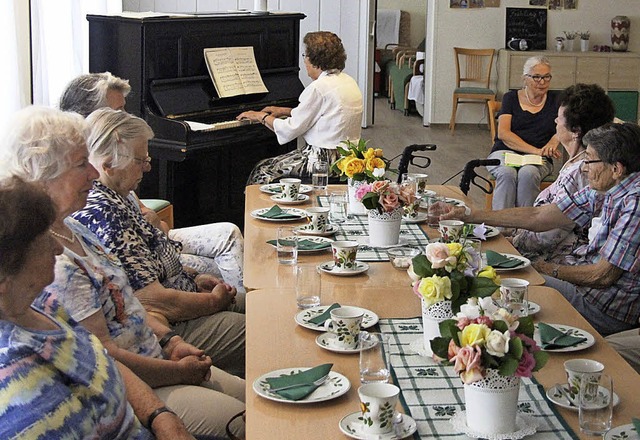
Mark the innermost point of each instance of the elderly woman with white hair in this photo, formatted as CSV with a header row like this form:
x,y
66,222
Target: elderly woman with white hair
x,y
91,91
48,146
525,126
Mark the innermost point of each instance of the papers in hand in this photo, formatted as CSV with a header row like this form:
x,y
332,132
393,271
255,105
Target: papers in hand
x,y
302,384
234,71
518,160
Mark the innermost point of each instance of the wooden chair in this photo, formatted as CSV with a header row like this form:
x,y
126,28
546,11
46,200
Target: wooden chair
x,y
399,76
163,209
493,109
473,75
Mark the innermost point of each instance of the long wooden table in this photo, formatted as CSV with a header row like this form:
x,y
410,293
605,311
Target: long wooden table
x,y
275,341
261,268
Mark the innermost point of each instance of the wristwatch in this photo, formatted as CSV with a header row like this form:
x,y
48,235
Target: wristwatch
x,y
554,271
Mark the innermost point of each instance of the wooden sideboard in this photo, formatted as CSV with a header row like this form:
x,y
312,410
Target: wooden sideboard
x,y
617,72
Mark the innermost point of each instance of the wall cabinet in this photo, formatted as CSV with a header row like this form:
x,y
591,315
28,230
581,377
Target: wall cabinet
x,y
613,71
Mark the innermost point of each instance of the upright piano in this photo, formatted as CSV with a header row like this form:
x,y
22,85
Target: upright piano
x,y
203,173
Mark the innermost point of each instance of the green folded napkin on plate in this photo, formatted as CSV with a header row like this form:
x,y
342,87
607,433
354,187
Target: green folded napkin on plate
x,y
636,424
303,245
303,381
321,318
499,261
548,335
277,212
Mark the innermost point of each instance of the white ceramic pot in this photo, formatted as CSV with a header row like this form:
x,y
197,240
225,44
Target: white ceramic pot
x,y
384,229
432,316
492,403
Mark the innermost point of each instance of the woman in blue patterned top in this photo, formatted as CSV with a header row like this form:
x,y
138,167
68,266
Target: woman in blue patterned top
x,y
56,380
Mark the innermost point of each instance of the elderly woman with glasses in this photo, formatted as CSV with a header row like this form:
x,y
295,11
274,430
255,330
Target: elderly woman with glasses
x,y
48,146
57,381
603,284
330,111
525,126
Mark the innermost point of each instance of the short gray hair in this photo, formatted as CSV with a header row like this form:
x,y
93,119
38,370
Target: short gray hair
x,y
88,92
38,142
110,135
616,143
533,62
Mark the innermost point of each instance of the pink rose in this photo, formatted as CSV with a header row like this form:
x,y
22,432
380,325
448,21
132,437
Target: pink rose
x,y
463,322
484,319
467,364
526,365
389,201
438,255
407,194
362,191
452,350
379,186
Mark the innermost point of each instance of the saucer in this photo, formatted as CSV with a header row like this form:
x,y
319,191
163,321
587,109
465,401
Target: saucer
x,y
301,199
276,188
302,318
526,425
330,230
351,427
421,217
557,397
328,267
533,308
573,331
328,342
627,432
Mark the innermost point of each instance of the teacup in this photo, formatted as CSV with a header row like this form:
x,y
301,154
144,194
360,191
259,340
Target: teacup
x,y
318,219
576,369
419,180
345,325
450,230
378,404
290,189
514,295
344,255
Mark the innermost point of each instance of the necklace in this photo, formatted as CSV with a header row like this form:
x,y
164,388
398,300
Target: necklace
x,y
64,237
526,94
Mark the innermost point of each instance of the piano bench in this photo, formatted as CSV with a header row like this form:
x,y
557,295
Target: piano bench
x,y
163,208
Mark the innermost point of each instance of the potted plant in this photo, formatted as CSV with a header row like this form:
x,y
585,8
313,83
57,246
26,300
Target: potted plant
x,y
584,41
570,36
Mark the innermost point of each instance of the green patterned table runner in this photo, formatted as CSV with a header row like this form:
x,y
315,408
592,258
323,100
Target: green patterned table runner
x,y
432,394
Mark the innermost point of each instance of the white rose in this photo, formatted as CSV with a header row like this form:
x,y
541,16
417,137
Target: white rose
x,y
498,343
438,255
378,172
488,305
468,310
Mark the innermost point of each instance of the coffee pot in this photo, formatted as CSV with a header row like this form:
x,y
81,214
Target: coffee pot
x,y
518,44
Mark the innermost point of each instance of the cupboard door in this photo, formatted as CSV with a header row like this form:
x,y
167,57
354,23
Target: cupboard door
x,y
624,73
593,70
563,69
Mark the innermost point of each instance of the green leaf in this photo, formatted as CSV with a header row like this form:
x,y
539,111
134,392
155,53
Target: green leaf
x,y
489,361
516,348
343,152
500,325
370,200
508,366
541,358
481,287
449,330
526,326
440,347
422,266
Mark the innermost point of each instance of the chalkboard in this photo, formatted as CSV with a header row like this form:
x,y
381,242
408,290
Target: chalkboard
x,y
527,23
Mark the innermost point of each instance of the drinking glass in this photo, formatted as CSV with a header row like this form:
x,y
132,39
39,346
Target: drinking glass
x,y
596,404
338,204
436,206
320,175
308,286
374,357
287,245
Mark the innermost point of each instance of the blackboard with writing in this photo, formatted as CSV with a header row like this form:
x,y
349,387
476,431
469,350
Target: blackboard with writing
x,y
527,23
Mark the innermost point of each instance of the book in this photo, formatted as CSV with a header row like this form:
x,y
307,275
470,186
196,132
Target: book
x,y
518,160
234,71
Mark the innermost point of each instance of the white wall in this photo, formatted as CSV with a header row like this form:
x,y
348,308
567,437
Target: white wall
x,y
485,28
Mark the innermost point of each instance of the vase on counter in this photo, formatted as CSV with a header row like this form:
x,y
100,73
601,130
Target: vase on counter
x,y
620,25
432,316
584,45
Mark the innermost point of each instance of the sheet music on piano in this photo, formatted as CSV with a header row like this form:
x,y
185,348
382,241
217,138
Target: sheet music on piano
x,y
199,126
234,71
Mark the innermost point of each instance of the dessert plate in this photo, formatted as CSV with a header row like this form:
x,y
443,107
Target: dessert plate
x,y
573,331
302,318
559,398
276,188
327,341
302,250
525,262
352,427
624,432
301,199
304,230
491,231
336,385
302,215
328,267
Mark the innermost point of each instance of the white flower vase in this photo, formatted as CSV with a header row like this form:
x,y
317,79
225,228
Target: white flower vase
x,y
491,404
584,45
355,206
432,316
384,229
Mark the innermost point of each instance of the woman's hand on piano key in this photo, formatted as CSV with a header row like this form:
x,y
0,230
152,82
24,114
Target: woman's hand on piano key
x,y
278,112
251,116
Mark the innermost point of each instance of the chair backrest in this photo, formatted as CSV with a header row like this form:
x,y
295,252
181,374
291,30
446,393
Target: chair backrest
x,y
494,108
473,66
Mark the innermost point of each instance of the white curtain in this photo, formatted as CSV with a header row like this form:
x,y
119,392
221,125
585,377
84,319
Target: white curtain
x,y
60,41
14,70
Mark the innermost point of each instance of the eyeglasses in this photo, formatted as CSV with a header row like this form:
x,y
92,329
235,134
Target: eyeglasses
x,y
141,161
538,78
587,162
304,55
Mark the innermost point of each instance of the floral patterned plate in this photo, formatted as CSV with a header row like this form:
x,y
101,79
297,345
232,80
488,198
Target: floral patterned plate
x,y
276,188
533,308
525,262
560,399
573,331
311,239
490,233
330,230
421,217
294,211
336,385
327,341
352,427
301,199
302,318
328,267
624,432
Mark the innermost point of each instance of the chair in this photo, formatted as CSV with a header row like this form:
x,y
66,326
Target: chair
x,y
494,109
163,209
473,75
399,77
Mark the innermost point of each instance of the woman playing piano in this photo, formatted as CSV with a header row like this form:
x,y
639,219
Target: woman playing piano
x,y
330,111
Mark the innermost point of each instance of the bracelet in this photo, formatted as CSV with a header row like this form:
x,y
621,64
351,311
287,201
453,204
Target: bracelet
x,y
166,338
156,413
262,121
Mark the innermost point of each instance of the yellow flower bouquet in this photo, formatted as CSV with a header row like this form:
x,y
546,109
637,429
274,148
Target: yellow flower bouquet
x,y
359,162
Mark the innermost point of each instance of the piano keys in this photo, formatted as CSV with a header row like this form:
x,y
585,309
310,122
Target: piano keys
x,y
201,171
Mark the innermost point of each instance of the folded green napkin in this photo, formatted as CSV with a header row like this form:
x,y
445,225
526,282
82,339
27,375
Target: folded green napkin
x,y
636,424
303,381
321,318
499,261
549,333
304,245
277,212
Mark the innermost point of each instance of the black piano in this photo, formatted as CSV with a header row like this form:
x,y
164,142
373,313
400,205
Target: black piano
x,y
203,173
